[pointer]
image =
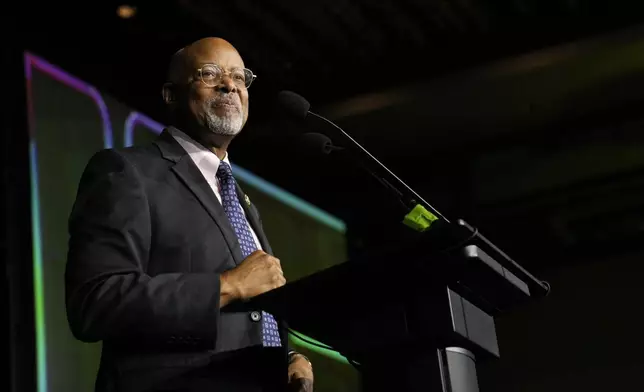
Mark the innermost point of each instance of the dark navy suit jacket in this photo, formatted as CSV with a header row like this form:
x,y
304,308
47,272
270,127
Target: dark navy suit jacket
x,y
148,240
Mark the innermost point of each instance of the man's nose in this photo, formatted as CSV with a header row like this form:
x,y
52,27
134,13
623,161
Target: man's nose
x,y
226,85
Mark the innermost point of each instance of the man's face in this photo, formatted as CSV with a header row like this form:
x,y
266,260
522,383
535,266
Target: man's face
x,y
223,108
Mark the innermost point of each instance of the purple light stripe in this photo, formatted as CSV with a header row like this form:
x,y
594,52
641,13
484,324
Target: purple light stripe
x,y
138,118
32,60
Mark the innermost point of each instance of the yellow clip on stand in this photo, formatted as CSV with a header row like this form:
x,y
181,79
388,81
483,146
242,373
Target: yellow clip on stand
x,y
419,218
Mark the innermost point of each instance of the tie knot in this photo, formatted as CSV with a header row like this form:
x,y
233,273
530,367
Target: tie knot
x,y
224,172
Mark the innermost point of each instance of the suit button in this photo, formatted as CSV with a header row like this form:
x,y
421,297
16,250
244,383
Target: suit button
x,y
255,315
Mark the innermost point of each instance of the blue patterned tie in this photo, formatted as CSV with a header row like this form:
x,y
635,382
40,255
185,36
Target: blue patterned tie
x,y
230,202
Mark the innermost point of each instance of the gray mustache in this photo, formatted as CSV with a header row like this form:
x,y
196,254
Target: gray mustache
x,y
223,101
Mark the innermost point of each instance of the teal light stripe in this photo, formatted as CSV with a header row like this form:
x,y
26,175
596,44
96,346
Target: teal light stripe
x,y
322,351
41,348
289,199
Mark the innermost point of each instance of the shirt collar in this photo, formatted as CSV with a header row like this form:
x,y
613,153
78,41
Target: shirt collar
x,y
206,160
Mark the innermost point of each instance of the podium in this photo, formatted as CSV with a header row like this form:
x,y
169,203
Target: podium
x,y
414,316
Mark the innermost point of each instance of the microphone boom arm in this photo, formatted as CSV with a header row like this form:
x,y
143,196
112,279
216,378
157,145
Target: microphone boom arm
x,y
421,214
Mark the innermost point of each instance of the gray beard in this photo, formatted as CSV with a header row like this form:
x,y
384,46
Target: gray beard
x,y
225,126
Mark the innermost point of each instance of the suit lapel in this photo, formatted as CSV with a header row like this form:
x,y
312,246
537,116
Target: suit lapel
x,y
253,219
191,177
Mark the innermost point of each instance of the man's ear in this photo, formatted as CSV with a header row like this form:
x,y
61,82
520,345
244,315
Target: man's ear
x,y
169,93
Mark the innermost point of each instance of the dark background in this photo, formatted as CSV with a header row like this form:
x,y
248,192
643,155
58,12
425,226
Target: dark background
x,y
522,117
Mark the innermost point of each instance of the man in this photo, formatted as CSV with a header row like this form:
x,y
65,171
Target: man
x,y
163,243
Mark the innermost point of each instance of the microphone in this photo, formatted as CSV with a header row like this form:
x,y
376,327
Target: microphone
x,y
318,143
297,107
293,104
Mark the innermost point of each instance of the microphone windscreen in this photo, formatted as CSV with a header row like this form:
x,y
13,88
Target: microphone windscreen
x,y
315,143
293,104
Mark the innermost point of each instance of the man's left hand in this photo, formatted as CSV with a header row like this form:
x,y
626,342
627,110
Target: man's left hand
x,y
300,374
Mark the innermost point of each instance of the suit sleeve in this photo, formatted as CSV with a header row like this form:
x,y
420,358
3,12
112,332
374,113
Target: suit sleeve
x,y
108,294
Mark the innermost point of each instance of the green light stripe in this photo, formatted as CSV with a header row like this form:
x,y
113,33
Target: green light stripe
x,y
41,348
322,351
315,213
289,199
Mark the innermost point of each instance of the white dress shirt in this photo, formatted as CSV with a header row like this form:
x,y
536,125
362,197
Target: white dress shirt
x,y
208,163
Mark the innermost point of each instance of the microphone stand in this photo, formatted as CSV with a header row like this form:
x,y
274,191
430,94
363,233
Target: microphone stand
x,y
420,214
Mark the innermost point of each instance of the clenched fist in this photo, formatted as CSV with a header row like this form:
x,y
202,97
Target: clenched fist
x,y
257,274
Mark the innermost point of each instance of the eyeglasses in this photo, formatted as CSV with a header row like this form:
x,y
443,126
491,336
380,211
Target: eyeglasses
x,y
211,74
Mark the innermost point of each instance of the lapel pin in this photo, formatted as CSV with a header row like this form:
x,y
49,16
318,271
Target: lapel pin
x,y
247,200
